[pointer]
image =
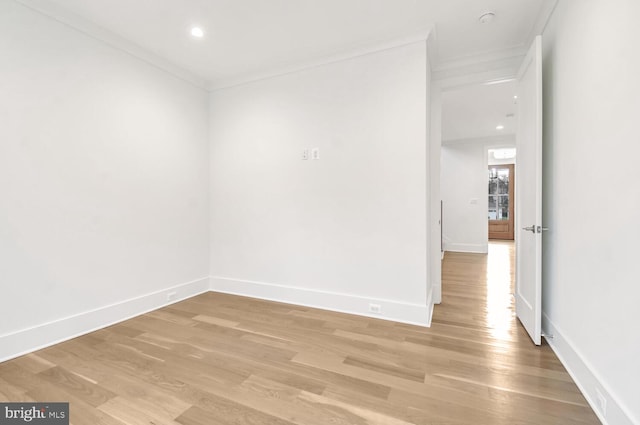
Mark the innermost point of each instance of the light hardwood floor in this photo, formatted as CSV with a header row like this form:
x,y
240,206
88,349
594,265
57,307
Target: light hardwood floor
x,y
221,359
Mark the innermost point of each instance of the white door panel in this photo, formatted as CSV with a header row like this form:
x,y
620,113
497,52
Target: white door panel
x,y
529,193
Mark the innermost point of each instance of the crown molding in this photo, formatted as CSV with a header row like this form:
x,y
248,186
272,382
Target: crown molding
x,y
95,31
90,29
499,63
502,63
483,57
487,66
494,64
362,50
503,140
544,15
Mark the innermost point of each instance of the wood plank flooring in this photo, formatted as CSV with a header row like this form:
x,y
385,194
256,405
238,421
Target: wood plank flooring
x,y
221,359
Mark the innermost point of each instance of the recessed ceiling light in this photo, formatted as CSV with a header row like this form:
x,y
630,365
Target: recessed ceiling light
x,y
487,17
197,32
500,127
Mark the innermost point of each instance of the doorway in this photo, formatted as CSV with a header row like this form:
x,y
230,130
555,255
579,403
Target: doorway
x,y
501,201
472,108
477,128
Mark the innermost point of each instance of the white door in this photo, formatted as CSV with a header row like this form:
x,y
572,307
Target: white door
x,y
528,236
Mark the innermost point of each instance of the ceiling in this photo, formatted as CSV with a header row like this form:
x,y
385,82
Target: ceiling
x,y
245,38
474,112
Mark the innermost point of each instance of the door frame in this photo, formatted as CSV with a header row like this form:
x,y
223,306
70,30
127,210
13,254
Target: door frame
x,y
434,229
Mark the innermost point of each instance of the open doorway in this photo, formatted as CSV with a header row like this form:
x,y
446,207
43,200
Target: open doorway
x,y
478,131
457,105
478,144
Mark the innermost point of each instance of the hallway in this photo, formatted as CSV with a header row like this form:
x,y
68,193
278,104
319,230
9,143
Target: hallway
x,y
492,360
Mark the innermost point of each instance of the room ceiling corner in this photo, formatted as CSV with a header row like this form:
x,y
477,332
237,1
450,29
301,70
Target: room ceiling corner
x,y
67,17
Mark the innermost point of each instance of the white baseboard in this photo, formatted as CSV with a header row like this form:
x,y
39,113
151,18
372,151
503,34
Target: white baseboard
x,y
586,377
467,247
35,338
415,314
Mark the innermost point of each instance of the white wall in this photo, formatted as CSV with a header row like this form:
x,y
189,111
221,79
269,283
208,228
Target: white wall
x,y
464,196
591,287
463,181
339,232
103,176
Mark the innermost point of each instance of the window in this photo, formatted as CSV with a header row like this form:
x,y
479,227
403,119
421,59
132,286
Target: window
x,y
499,193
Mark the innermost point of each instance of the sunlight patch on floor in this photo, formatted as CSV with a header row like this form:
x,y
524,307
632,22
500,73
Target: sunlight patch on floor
x,y
499,298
